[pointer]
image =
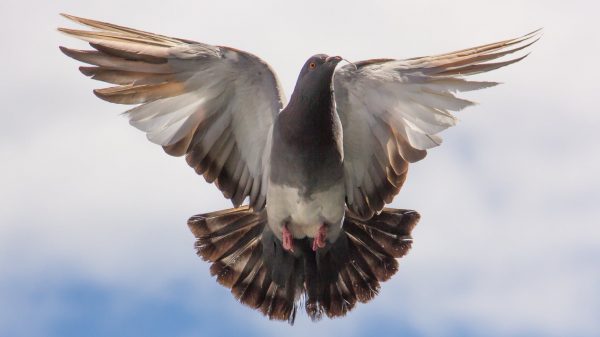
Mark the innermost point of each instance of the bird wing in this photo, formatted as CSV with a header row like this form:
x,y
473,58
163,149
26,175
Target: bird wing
x,y
393,110
213,104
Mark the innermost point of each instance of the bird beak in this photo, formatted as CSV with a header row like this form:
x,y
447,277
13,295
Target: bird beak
x,y
333,59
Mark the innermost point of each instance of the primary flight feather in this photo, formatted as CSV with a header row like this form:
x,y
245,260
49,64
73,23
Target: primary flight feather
x,y
317,171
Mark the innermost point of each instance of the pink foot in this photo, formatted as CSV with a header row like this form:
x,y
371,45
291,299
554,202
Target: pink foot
x,y
319,240
287,239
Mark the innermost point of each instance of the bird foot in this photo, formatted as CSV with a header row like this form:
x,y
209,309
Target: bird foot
x,y
287,239
319,240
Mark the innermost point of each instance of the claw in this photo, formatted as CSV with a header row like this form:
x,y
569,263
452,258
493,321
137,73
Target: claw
x,y
287,239
319,240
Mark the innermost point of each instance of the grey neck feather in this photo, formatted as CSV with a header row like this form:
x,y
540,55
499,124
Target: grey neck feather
x,y
307,149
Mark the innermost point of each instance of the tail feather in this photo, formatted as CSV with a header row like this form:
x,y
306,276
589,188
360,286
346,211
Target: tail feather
x,y
372,256
391,230
255,289
224,234
363,280
247,258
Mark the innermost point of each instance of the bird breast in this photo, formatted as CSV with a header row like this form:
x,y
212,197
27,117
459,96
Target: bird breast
x,y
304,214
306,185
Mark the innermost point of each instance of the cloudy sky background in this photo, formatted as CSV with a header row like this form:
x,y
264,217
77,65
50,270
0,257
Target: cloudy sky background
x,y
93,240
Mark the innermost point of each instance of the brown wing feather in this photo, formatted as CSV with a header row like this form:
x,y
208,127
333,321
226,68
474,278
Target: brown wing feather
x,y
124,78
108,61
490,47
182,87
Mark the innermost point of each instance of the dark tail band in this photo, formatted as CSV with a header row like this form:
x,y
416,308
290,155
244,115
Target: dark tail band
x,y
247,258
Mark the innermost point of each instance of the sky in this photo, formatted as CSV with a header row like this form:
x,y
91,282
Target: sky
x,y
93,235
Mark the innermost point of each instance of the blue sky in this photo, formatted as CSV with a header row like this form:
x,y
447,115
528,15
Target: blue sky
x,y
93,235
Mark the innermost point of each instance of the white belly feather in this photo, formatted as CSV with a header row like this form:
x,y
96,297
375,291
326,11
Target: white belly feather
x,y
305,215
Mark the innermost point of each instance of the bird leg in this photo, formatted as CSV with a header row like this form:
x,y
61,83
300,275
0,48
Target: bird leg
x,y
287,239
319,240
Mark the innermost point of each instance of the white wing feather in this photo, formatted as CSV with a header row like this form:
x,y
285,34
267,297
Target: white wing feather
x,y
213,104
393,110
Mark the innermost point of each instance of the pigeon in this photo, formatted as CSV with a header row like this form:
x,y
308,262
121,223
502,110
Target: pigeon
x,y
317,172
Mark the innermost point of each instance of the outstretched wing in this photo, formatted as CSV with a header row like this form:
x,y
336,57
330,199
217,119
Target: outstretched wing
x,y
213,104
393,110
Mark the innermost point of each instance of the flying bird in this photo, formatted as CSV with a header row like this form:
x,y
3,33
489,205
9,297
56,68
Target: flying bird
x,y
317,172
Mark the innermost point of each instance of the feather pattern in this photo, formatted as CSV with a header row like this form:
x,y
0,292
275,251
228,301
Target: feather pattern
x,y
395,110
247,259
217,106
213,104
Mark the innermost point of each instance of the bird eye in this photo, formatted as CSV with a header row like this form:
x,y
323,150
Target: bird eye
x,y
312,65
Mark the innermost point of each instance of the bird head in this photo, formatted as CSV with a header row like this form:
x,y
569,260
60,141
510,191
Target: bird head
x,y
319,65
316,74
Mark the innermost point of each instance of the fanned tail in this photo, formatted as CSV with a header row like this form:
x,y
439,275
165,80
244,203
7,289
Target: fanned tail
x,y
247,258
365,254
231,240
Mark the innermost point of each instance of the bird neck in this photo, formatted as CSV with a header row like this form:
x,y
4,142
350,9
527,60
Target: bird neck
x,y
313,105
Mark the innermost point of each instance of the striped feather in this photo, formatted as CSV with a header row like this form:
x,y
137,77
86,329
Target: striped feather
x,y
213,104
125,77
164,40
405,105
143,93
108,61
248,259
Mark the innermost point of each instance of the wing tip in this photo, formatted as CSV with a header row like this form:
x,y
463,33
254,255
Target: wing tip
x,y
66,51
63,30
102,94
71,18
77,19
76,33
536,32
515,60
87,71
